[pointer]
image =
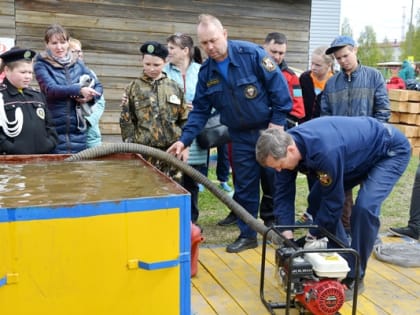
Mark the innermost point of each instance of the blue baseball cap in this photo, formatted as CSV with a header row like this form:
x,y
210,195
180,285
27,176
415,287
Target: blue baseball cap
x,y
340,42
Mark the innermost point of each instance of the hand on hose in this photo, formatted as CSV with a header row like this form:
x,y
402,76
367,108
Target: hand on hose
x,y
312,242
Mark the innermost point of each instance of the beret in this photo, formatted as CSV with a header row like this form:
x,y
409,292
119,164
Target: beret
x,y
340,42
15,54
155,49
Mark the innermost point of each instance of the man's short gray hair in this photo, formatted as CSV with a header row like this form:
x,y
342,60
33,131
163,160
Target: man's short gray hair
x,y
272,142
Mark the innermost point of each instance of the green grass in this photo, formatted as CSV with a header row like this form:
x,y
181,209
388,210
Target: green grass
x,y
394,212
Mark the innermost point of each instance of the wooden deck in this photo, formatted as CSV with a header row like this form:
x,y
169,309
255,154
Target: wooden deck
x,y
228,284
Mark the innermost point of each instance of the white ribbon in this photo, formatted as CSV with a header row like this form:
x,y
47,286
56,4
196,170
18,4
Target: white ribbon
x,y
10,128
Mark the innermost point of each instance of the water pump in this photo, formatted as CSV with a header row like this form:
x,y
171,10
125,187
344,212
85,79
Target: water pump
x,y
310,277
314,279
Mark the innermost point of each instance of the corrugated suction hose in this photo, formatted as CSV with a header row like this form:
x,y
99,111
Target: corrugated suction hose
x,y
107,149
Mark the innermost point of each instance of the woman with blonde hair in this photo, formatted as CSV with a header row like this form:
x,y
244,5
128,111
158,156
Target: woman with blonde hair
x,y
313,81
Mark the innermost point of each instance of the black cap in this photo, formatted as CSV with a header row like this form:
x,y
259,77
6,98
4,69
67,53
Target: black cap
x,y
154,49
15,54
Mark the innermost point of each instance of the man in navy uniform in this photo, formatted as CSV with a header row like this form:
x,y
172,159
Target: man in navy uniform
x,y
242,82
342,152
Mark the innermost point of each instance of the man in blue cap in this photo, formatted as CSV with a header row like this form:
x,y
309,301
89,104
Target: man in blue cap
x,y
356,90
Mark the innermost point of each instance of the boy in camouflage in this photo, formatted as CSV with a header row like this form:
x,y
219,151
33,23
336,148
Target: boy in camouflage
x,y
153,108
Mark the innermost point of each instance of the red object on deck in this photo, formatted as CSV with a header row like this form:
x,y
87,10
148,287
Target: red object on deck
x,y
196,239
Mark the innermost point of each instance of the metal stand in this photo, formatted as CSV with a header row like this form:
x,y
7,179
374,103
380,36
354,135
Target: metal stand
x,y
290,303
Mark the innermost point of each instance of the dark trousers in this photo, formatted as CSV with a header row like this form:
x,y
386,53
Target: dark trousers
x,y
414,220
266,205
222,166
348,204
192,186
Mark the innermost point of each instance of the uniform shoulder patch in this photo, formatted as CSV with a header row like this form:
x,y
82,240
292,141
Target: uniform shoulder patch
x,y
324,178
268,64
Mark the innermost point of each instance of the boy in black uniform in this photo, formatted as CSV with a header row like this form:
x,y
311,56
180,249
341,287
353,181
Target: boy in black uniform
x,y
25,125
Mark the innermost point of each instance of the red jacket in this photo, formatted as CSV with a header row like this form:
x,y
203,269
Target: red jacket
x,y
298,108
395,83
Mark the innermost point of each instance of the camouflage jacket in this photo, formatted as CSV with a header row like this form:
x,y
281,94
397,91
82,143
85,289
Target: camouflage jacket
x,y
154,112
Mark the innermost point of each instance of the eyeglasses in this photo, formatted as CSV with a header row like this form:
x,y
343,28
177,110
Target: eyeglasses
x,y
77,52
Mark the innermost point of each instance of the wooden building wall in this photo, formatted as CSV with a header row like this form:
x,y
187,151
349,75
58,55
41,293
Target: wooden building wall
x,y
112,31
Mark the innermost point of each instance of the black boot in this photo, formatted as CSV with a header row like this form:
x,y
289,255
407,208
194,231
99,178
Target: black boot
x,y
229,220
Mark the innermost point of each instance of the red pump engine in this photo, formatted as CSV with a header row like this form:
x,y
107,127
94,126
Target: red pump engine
x,y
323,297
314,279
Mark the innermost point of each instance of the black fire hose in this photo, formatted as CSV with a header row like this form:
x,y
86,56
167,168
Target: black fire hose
x,y
107,149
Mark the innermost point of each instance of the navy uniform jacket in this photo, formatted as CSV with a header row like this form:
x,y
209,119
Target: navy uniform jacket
x,y
256,92
340,151
38,134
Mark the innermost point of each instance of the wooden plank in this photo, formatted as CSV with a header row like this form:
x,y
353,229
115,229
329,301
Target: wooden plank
x,y
110,129
414,96
7,26
399,106
364,306
230,277
149,25
183,10
398,95
111,117
210,285
411,283
413,107
407,118
392,298
198,302
415,151
389,289
113,95
409,131
248,263
395,117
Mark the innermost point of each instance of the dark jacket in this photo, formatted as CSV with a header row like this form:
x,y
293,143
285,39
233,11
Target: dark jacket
x,y
310,99
255,94
362,93
60,84
37,134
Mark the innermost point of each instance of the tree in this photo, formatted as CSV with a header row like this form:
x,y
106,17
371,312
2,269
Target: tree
x,y
411,46
368,51
346,28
